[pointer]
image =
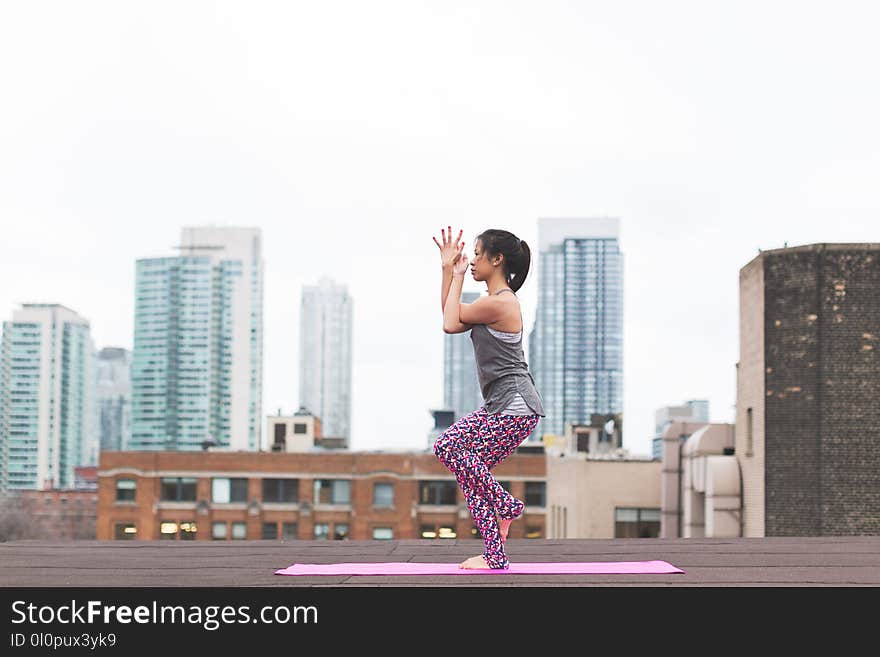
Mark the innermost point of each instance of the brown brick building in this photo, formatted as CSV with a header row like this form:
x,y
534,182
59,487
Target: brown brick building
x,y
148,495
808,391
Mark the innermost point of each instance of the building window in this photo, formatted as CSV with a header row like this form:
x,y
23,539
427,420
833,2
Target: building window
x,y
533,531
536,493
239,531
281,490
218,531
382,534
332,491
168,531
383,494
289,531
125,531
280,434
340,531
636,523
437,492
322,530
299,428
224,491
749,430
188,531
433,531
125,490
270,531
178,489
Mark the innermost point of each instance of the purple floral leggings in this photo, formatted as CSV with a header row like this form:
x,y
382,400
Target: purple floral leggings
x,y
469,449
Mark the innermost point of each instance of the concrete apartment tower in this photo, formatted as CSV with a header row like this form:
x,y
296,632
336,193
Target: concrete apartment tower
x,y
808,385
326,356
576,345
113,397
46,383
197,367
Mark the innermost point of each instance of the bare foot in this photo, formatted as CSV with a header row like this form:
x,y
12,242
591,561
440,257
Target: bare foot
x,y
474,562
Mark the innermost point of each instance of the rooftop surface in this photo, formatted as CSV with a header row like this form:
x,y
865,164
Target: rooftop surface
x,y
773,561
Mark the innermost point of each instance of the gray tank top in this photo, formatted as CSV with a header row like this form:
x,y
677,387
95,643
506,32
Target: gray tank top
x,y
502,370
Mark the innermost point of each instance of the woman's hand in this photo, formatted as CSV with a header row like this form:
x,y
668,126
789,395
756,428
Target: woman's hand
x,y
449,250
461,265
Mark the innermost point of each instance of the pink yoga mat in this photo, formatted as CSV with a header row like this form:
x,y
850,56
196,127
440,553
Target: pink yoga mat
x,y
524,568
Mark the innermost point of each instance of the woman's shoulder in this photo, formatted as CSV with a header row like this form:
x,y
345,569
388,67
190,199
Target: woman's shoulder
x,y
504,299
506,295
512,314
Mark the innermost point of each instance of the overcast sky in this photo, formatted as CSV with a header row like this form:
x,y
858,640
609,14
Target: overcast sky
x,y
350,132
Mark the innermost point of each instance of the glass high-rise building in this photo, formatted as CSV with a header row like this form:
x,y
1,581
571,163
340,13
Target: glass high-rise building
x,y
46,382
325,356
576,344
461,387
197,366
113,397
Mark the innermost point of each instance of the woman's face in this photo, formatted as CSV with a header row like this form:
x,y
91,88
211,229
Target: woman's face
x,y
481,265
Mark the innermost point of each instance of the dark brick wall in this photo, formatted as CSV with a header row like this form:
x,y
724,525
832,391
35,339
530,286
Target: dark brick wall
x,y
822,444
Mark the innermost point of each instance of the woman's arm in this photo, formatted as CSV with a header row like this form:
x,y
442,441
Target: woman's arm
x,y
444,286
451,308
485,310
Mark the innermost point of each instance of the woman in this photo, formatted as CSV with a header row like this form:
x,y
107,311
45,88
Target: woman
x,y
482,439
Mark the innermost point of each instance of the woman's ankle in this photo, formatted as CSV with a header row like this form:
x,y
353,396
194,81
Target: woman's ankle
x,y
513,511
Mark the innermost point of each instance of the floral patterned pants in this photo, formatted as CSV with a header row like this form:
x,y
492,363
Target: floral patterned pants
x,y
469,449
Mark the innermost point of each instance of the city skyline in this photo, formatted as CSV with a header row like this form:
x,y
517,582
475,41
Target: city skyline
x,y
706,150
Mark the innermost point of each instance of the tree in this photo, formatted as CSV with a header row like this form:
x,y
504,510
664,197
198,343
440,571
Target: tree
x,y
15,522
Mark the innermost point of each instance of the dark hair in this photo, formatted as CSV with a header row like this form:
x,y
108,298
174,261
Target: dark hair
x,y
517,256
